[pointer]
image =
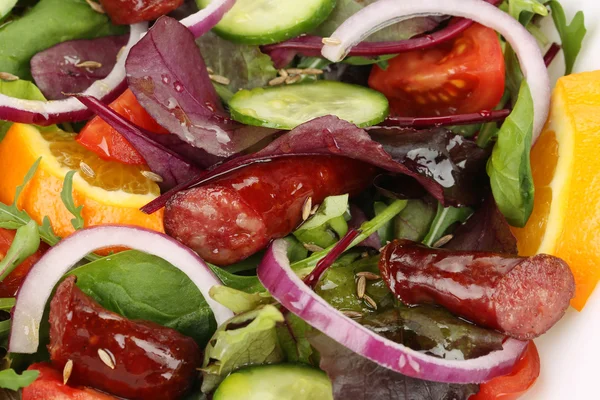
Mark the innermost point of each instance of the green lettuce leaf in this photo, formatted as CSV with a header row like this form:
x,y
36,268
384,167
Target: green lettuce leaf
x,y
25,243
328,224
524,10
245,66
246,339
444,220
414,221
48,23
21,90
293,338
571,35
238,301
9,379
6,7
509,166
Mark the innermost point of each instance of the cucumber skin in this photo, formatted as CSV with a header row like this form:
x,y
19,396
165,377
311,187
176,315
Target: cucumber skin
x,y
226,391
248,120
275,37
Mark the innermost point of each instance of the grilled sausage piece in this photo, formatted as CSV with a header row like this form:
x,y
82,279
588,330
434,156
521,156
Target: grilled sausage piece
x,y
237,215
522,297
130,359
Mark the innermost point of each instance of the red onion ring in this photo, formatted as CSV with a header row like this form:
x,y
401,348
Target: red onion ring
x,y
71,110
387,12
205,19
286,287
47,272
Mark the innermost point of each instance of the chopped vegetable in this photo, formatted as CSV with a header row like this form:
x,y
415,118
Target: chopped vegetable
x,y
571,35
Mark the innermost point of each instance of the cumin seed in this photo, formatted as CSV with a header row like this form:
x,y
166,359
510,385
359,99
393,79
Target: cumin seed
x,y
313,71
361,287
96,6
152,176
312,247
67,371
87,170
442,241
331,41
293,79
369,275
89,64
277,81
352,314
370,302
283,73
314,209
106,358
6,76
219,79
306,208
210,70
295,71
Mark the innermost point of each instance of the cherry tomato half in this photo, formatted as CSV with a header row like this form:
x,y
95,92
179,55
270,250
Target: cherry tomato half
x,y
10,284
49,386
513,385
461,76
106,142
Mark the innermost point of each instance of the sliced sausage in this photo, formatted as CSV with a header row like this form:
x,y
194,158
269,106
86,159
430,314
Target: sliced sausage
x,y
520,296
130,359
236,216
127,12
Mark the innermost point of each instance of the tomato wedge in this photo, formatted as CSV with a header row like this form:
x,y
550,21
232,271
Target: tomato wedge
x,y
515,384
465,75
10,284
106,142
49,386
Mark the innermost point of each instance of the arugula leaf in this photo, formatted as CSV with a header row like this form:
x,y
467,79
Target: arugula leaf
x,y
25,243
246,339
509,166
524,10
137,285
48,23
245,66
21,90
67,197
238,301
11,217
9,379
293,338
444,219
328,224
571,35
414,221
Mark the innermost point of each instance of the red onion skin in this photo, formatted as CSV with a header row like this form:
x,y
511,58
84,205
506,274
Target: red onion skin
x,y
275,273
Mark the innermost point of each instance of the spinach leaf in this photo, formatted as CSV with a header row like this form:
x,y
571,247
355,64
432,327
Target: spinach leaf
x,y
414,221
444,219
238,301
21,90
328,224
246,339
11,217
9,379
67,197
509,166
141,286
25,243
48,23
571,35
245,66
357,378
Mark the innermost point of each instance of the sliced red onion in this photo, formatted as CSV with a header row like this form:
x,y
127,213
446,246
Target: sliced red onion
x,y
205,19
286,287
47,272
70,110
387,12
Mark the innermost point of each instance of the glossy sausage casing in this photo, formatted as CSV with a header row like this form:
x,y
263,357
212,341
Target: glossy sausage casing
x,y
236,216
519,296
150,361
127,12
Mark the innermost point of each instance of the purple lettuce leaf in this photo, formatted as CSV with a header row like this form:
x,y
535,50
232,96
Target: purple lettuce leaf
x,y
453,162
169,165
357,378
167,73
486,230
55,70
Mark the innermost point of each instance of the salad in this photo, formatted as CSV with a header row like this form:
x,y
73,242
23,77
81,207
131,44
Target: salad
x,y
257,199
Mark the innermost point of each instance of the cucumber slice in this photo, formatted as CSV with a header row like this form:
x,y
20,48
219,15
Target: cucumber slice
x,y
285,107
276,382
270,21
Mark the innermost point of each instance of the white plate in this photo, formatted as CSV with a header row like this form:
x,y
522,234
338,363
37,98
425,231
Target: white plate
x,y
571,350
